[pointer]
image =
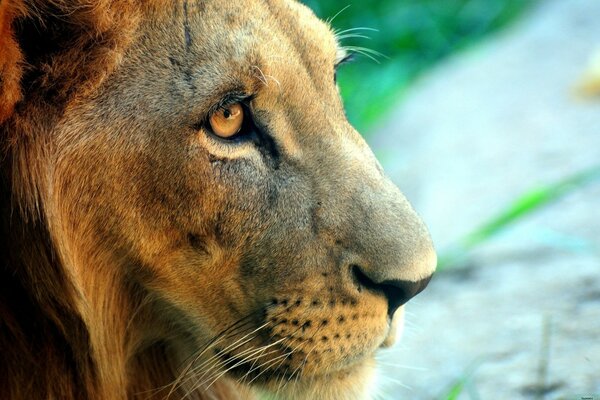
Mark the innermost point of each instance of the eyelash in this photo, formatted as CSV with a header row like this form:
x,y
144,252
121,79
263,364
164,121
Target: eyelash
x,y
350,57
346,60
228,100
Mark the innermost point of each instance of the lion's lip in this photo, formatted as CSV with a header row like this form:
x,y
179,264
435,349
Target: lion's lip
x,y
396,329
252,372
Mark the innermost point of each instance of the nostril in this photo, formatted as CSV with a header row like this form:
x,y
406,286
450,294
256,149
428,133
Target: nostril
x,y
361,280
397,292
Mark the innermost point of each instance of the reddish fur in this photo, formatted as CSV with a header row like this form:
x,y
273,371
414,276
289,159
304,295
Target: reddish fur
x,y
10,60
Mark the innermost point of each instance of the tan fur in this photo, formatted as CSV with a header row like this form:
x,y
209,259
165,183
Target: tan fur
x,y
141,257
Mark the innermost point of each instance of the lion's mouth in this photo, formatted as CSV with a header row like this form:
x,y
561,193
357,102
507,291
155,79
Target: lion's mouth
x,y
396,329
303,340
287,382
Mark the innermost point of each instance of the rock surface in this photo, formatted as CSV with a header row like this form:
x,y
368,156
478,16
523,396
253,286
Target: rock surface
x,y
523,319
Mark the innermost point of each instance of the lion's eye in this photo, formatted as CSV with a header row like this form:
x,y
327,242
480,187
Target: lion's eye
x,y
226,122
346,60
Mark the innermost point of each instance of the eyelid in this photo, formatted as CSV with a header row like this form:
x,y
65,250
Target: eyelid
x,y
350,57
230,98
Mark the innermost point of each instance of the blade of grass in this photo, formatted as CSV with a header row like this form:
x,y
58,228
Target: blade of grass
x,y
462,382
524,206
544,361
455,390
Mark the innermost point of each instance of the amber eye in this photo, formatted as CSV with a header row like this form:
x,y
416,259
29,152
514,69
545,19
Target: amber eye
x,y
226,122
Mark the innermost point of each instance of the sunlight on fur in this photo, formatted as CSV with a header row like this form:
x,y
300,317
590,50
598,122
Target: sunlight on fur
x,y
186,211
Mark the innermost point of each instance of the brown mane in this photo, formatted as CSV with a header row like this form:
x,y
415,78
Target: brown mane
x,y
45,344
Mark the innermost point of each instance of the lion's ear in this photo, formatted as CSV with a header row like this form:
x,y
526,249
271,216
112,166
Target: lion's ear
x,y
11,58
52,50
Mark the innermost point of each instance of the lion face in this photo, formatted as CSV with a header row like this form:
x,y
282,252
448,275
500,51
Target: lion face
x,y
275,255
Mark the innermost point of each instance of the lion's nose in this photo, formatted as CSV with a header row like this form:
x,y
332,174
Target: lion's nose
x,y
397,292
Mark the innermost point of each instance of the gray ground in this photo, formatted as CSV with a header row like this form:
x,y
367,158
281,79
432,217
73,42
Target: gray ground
x,y
474,135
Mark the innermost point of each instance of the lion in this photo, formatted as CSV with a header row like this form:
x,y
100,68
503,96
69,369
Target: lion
x,y
186,211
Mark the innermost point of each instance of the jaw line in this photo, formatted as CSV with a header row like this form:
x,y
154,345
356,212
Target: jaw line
x,y
353,383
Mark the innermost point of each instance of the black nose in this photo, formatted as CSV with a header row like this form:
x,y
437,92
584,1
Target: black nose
x,y
397,292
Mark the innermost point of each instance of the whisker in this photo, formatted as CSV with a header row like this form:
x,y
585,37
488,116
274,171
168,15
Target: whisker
x,y
291,335
262,77
360,28
391,365
283,375
241,321
399,383
252,367
242,361
330,20
252,350
218,374
265,367
235,345
212,362
298,369
229,348
138,309
352,35
365,51
224,334
217,339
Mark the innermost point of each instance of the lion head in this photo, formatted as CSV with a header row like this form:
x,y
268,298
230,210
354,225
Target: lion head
x,y
186,210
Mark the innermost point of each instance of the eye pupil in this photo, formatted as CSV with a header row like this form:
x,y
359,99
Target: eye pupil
x,y
226,113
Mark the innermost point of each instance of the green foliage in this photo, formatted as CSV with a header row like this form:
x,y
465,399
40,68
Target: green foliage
x,y
414,35
522,207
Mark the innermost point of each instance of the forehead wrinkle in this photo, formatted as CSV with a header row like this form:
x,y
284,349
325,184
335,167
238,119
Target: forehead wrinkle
x,y
287,31
246,41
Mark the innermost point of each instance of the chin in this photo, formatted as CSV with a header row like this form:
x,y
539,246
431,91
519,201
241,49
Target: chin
x,y
354,383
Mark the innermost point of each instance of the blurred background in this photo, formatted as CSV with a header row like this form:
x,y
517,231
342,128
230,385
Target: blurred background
x,y
486,113
411,36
